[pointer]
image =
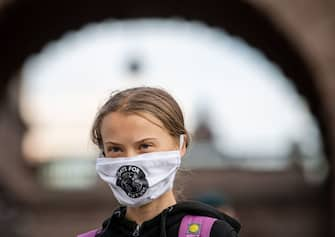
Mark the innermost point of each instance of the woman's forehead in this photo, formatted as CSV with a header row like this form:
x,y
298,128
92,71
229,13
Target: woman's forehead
x,y
120,122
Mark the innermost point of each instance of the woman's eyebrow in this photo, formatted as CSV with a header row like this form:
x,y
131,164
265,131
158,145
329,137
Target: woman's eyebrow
x,y
145,139
113,143
139,141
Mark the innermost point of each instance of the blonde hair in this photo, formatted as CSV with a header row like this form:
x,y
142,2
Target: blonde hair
x,y
155,101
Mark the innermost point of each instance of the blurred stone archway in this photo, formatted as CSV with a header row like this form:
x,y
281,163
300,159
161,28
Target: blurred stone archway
x,y
297,36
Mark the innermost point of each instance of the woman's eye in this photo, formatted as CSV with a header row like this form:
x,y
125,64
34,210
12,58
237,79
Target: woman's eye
x,y
114,149
145,146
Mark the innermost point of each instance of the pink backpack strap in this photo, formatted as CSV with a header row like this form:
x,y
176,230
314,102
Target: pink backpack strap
x,y
90,233
196,226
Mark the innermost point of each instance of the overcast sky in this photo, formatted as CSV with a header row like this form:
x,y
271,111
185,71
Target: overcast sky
x,y
252,107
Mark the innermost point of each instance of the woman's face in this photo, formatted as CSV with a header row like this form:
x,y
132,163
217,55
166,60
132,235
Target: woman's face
x,y
127,135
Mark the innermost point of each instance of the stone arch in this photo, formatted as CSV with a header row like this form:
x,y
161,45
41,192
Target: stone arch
x,y
26,26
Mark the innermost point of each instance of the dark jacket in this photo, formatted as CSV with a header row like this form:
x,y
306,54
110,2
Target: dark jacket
x,y
167,223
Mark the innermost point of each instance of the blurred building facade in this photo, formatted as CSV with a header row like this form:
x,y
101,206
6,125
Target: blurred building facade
x,y
287,32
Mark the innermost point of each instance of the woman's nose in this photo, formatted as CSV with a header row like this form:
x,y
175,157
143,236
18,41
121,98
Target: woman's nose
x,y
131,153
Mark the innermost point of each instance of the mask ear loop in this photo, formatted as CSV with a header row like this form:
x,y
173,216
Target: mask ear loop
x,y
181,141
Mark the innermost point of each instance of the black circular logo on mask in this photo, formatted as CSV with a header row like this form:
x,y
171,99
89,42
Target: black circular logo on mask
x,y
132,180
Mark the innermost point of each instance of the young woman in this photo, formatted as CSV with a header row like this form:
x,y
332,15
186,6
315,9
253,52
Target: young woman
x,y
142,138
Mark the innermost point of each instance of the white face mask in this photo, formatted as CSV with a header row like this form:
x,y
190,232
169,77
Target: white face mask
x,y
138,180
